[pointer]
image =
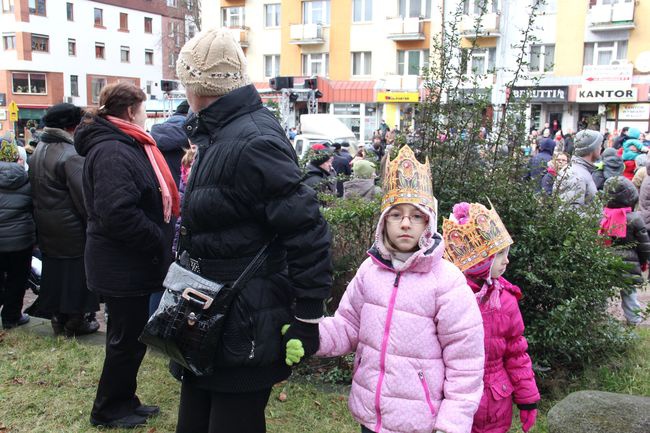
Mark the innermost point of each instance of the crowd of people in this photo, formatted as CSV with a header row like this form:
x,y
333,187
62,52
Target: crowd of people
x,y
435,326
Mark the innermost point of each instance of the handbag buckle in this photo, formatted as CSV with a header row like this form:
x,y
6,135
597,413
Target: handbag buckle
x,y
194,295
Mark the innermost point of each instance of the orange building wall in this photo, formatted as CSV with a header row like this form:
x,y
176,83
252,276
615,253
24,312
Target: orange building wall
x,y
290,60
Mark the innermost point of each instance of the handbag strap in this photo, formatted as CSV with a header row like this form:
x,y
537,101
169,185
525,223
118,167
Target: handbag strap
x,y
252,267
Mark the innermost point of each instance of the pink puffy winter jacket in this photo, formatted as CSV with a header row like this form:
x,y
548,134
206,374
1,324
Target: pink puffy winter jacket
x,y
418,338
508,368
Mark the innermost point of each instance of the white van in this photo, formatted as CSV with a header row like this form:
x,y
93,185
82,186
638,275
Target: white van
x,y
325,129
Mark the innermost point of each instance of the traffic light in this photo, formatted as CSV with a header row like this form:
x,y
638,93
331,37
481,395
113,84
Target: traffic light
x,y
279,83
311,83
293,97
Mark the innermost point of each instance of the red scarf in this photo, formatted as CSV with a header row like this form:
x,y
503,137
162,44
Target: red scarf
x,y
170,197
614,223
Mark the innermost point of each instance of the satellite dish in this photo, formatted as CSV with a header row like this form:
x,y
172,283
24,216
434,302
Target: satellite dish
x,y
642,62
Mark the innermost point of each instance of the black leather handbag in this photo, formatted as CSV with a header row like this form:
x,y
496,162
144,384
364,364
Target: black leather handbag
x,y
188,324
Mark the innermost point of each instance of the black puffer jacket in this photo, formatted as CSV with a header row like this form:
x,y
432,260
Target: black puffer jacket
x,y
55,172
622,193
128,246
16,222
244,189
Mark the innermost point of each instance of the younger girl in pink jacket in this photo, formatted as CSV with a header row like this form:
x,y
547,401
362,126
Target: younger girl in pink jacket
x,y
478,243
411,318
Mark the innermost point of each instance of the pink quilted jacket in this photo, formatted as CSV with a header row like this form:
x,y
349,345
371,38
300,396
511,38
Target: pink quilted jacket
x,y
418,338
508,368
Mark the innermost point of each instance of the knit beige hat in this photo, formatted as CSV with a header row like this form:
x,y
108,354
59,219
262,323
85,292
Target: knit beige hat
x,y
212,63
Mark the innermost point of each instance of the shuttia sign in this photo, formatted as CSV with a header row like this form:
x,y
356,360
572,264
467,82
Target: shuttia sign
x,y
606,95
542,94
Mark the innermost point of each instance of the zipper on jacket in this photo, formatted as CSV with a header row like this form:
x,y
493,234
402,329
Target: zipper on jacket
x,y
427,395
245,312
384,346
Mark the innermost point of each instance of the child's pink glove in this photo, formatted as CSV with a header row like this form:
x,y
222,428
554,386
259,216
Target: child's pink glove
x,y
528,418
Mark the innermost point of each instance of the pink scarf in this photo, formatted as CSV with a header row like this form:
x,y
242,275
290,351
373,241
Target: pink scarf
x,y
614,223
168,190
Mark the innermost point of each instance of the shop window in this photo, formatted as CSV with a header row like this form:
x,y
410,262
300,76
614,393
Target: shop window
x,y
125,54
74,85
9,41
361,63
7,6
415,8
361,11
541,58
272,15
40,43
316,12
72,47
29,83
124,21
100,52
412,62
148,25
604,53
148,57
272,65
232,17
315,64
96,86
99,17
69,11
475,7
37,7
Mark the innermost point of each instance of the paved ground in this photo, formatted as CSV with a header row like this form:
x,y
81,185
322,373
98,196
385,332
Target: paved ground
x,y
644,298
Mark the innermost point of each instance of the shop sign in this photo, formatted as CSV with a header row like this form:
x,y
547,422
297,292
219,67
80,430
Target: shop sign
x,y
607,76
541,94
633,111
606,95
13,112
398,97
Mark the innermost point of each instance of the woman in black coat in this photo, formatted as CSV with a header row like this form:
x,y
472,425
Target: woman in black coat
x,y
130,197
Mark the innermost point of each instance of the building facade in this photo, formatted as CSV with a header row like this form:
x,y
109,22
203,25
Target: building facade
x,y
66,51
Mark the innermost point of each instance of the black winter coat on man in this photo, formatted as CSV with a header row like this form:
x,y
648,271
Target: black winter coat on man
x,y
128,245
245,189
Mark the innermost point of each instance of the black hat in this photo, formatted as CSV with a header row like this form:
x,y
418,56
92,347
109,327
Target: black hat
x,y
183,107
320,154
62,116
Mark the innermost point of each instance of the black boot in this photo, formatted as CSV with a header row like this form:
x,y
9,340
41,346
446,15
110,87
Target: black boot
x,y
78,325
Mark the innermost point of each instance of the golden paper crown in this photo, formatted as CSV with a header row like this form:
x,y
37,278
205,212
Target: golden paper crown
x,y
408,181
480,237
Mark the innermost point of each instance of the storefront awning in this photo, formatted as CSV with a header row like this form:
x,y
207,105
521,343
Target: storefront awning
x,y
346,91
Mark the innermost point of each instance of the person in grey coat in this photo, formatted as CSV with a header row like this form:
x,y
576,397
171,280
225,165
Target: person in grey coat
x,y
363,183
578,188
632,243
610,165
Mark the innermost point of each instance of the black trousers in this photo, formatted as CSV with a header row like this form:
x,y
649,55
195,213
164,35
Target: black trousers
x,y
14,271
365,429
116,396
203,411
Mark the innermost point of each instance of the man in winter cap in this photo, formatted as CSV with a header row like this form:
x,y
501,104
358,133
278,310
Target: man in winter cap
x,y
578,187
246,192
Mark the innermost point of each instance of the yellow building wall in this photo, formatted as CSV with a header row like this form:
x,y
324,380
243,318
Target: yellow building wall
x,y
340,23
482,42
640,36
570,42
290,60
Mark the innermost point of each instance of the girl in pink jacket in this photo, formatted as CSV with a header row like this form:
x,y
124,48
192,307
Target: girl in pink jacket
x,y
508,368
411,318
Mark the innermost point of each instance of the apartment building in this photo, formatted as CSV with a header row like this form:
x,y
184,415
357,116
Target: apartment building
x,y
66,51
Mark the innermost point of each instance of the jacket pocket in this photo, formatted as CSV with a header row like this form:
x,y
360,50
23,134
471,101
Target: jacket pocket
x,y
427,394
502,389
238,338
357,362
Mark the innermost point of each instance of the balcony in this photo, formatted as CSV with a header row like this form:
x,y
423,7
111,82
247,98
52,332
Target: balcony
x,y
618,16
488,27
405,29
306,34
240,34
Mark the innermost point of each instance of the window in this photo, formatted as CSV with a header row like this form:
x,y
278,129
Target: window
x,y
361,63
474,7
125,54
315,64
604,53
172,3
272,15
541,58
30,83
37,7
481,62
361,10
232,17
411,62
174,32
316,12
99,50
148,25
192,30
415,8
40,43
69,11
74,85
148,87
124,21
96,86
148,57
7,6
272,65
72,47
99,17
171,60
9,41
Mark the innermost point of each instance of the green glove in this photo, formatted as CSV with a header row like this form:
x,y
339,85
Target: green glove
x,y
294,349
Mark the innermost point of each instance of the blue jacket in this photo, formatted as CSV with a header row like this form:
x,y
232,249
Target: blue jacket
x,y
172,142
